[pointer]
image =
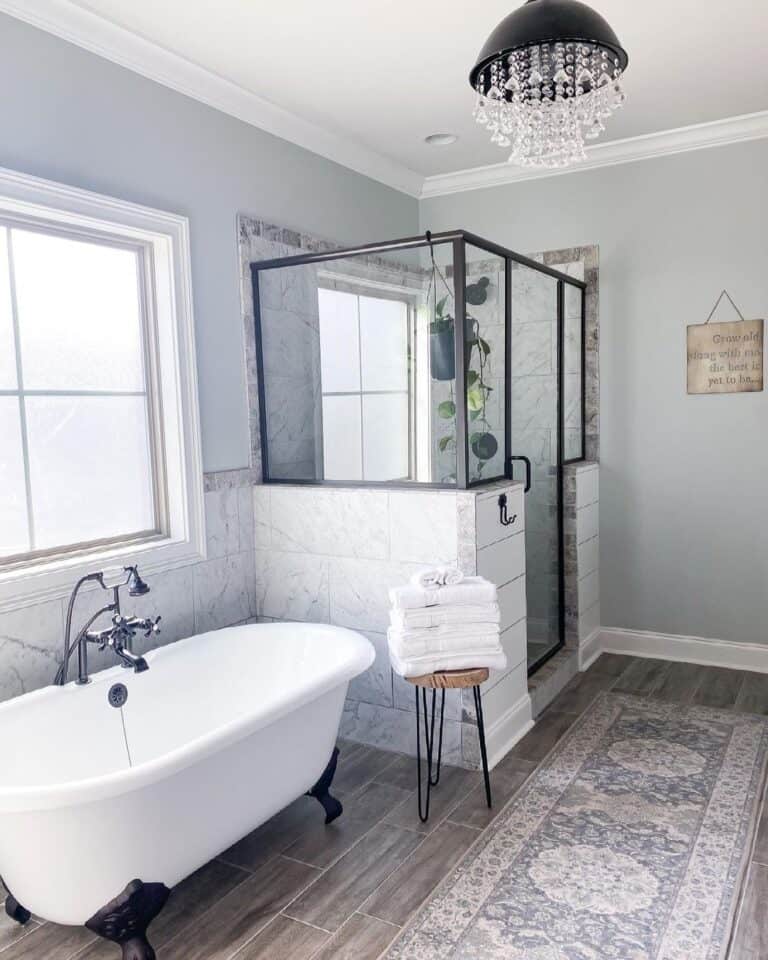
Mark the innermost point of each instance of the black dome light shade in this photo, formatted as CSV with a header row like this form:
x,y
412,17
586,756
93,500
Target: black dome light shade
x,y
546,78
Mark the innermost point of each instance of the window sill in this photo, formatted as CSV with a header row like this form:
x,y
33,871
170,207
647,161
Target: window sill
x,y
53,578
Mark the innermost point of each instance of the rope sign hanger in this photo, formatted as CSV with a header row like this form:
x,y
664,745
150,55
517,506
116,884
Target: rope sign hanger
x,y
717,304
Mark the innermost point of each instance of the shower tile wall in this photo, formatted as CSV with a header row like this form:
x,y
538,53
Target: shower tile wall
x,y
582,263
331,555
216,593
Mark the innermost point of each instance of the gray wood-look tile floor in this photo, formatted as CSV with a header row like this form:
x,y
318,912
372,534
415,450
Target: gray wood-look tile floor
x,y
295,889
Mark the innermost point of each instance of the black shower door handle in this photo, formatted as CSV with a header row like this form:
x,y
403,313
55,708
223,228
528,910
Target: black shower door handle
x,y
511,471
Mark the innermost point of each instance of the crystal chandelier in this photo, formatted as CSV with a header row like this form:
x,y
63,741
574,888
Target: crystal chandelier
x,y
548,78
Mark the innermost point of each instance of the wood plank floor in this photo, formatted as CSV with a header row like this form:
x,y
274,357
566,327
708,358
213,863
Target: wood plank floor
x,y
295,889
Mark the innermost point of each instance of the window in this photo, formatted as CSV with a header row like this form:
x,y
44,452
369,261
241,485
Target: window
x,y
365,376
99,451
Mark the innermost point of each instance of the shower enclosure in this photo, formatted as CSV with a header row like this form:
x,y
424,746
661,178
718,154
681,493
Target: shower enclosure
x,y
444,360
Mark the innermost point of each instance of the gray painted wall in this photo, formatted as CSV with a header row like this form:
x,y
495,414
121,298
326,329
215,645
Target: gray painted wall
x,y
71,116
684,480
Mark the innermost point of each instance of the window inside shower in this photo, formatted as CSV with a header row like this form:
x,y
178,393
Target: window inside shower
x,y
365,382
448,362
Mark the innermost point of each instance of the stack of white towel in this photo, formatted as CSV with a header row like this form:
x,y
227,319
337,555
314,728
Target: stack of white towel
x,y
442,620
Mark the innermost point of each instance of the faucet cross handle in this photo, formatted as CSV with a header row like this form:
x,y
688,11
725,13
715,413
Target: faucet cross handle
x,y
152,626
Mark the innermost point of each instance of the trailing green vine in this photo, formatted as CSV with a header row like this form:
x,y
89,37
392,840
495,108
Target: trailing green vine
x,y
482,441
484,445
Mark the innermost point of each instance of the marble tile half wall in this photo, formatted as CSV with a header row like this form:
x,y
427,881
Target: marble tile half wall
x,y
331,554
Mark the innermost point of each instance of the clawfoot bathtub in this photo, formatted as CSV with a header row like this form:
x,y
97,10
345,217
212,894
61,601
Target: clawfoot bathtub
x,y
145,777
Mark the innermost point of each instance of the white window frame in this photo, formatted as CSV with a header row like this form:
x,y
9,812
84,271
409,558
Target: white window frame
x,y
163,241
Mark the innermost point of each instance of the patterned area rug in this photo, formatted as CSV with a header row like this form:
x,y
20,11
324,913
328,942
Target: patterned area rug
x,y
627,843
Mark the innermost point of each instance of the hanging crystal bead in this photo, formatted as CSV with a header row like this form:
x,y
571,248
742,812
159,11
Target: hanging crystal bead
x,y
545,100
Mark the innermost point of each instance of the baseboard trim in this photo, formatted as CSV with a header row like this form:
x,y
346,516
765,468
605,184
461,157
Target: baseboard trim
x,y
505,732
664,646
590,649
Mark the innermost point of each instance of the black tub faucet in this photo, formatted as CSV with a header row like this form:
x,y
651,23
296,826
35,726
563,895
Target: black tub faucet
x,y
118,637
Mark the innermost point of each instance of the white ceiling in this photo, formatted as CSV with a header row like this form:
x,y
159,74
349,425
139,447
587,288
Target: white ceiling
x,y
383,76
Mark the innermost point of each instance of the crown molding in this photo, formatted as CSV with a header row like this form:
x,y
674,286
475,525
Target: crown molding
x,y
750,126
94,33
106,39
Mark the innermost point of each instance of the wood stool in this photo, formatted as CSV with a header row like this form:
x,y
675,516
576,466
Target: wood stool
x,y
445,680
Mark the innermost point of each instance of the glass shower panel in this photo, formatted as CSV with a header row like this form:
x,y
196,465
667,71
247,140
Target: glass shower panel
x,y
486,362
535,435
573,372
357,364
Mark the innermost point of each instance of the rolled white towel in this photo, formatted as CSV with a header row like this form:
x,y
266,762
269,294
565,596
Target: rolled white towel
x,y
471,613
437,577
472,591
419,666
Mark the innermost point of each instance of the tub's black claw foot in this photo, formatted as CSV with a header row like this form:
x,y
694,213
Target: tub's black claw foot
x,y
125,919
320,791
15,910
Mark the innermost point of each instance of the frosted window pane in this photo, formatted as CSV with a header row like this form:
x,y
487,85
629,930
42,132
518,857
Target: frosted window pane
x,y
13,501
7,350
90,468
384,344
385,437
79,315
342,458
339,343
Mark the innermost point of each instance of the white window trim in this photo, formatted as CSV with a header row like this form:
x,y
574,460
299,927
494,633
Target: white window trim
x,y
165,237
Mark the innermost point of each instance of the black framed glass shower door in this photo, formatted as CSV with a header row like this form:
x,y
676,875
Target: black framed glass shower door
x,y
537,422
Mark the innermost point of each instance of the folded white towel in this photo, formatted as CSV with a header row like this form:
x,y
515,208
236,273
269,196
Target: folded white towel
x,y
471,613
472,590
470,633
437,577
419,666
407,646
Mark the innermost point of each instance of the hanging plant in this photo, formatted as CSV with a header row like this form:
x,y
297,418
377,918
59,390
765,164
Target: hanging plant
x,y
442,343
442,348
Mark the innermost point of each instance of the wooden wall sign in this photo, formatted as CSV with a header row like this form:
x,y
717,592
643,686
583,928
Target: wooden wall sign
x,y
725,357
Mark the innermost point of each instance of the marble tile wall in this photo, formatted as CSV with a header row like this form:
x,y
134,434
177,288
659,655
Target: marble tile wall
x,y
583,263
218,592
291,353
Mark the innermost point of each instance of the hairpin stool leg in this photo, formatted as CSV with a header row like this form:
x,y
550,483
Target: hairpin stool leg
x,y
481,734
433,776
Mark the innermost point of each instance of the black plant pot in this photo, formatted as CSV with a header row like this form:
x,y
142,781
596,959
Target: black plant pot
x,y
442,355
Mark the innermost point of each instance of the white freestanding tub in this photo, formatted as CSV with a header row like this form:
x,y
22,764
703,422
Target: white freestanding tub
x,y
220,733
